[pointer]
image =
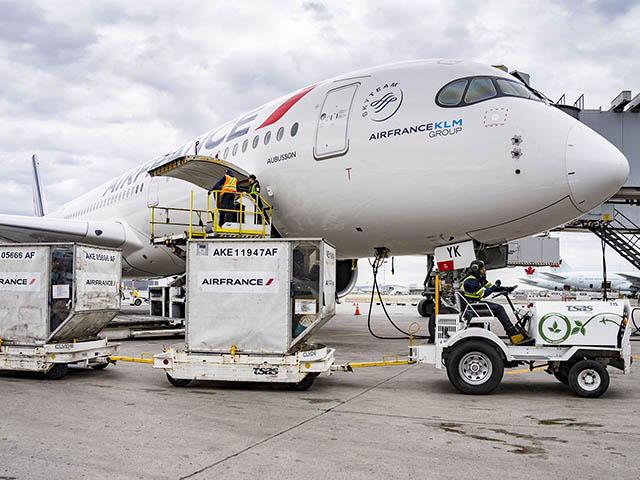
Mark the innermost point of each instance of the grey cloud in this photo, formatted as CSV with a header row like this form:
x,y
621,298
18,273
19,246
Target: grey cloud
x,y
30,34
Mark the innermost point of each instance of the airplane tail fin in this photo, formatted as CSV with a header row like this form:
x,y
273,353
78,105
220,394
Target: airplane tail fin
x,y
39,200
562,267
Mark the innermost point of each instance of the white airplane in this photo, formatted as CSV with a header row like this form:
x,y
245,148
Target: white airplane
x,y
408,156
581,280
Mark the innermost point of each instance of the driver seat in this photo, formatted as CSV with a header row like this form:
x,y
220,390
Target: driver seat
x,y
471,312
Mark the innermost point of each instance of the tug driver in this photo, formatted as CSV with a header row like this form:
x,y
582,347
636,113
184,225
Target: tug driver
x,y
476,287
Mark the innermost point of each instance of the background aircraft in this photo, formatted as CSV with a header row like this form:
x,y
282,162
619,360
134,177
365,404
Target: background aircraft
x,y
582,280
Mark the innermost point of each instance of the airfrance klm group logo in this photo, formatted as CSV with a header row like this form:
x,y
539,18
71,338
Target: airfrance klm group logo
x,y
20,281
238,282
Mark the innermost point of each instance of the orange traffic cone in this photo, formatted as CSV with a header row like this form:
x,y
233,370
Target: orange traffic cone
x,y
357,309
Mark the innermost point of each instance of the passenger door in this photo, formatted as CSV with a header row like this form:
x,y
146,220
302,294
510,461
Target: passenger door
x,y
332,133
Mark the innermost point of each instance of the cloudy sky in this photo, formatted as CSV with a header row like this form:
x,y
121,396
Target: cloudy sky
x,y
97,87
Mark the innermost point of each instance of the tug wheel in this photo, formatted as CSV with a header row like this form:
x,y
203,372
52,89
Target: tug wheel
x,y
588,379
178,382
137,302
475,367
305,383
562,374
56,372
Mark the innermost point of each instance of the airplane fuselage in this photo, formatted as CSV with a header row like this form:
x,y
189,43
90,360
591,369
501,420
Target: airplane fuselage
x,y
375,159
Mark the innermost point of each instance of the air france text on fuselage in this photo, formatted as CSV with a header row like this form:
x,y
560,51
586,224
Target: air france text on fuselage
x,y
435,129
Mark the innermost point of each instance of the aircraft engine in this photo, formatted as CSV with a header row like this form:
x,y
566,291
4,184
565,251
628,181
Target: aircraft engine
x,y
346,276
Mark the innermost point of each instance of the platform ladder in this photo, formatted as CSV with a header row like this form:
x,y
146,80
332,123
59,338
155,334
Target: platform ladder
x,y
620,233
173,226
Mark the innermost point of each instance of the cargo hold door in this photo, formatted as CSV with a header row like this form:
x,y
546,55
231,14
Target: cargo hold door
x,y
332,133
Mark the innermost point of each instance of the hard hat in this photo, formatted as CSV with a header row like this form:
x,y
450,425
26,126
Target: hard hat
x,y
476,266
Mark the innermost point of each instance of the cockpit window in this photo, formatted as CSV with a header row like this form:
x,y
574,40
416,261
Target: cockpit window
x,y
515,89
452,93
480,89
470,90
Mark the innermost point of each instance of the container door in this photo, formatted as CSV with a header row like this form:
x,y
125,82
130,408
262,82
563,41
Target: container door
x,y
61,295
95,293
332,134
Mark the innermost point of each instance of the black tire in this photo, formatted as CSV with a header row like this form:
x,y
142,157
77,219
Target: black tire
x,y
99,366
304,384
562,374
422,304
589,379
178,382
58,371
137,302
475,367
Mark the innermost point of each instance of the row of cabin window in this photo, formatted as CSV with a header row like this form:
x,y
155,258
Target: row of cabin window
x,y
477,89
109,201
256,141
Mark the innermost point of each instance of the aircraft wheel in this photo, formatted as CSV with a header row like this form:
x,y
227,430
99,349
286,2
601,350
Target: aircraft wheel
x,y
475,367
56,372
304,384
589,379
422,304
178,382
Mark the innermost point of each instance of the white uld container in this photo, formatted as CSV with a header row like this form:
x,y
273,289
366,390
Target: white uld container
x,y
259,296
57,293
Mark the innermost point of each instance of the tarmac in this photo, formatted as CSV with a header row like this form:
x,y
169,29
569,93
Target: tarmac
x,y
128,422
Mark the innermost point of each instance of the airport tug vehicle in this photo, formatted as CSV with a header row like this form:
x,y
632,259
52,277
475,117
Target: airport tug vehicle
x,y
252,306
576,341
54,301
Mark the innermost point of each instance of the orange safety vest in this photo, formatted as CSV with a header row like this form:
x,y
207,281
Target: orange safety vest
x,y
230,184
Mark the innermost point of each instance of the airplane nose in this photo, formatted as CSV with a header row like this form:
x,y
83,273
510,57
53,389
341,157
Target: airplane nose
x,y
596,169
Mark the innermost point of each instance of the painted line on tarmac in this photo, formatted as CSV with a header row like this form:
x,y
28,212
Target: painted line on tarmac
x,y
293,427
525,370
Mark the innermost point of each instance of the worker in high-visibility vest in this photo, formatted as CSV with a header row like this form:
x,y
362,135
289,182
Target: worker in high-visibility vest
x,y
254,192
228,186
476,287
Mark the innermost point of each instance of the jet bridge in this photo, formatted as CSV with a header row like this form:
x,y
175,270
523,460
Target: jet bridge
x,y
173,226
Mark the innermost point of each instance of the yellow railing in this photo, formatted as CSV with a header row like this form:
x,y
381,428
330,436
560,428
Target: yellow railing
x,y
207,220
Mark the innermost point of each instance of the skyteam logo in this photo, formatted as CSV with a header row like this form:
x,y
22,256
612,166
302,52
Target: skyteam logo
x,y
383,102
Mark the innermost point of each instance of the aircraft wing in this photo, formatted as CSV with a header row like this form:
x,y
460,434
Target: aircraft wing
x,y
554,276
528,282
632,277
17,228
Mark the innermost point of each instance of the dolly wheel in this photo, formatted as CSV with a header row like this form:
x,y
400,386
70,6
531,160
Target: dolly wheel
x,y
475,367
588,379
178,382
99,366
56,372
305,384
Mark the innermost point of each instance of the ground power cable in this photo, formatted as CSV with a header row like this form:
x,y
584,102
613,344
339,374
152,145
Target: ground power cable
x,y
376,289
